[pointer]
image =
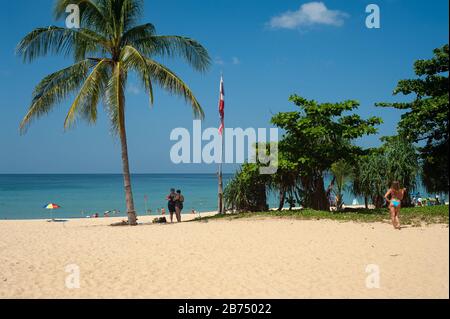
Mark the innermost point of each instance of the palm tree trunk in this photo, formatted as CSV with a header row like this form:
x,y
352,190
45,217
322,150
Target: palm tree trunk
x,y
132,218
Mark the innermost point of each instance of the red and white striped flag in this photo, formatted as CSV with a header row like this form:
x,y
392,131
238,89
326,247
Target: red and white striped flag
x,y
222,107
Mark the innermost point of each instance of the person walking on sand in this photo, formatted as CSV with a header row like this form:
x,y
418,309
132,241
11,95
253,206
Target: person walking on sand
x,y
179,205
394,197
171,203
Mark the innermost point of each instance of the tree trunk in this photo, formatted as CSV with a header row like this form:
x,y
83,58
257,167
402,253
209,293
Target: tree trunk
x,y
262,202
132,218
317,197
407,201
366,202
378,201
339,202
282,199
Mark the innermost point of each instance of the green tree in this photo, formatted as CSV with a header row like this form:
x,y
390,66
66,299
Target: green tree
x,y
342,174
285,182
247,190
317,136
426,117
402,164
396,160
370,178
108,46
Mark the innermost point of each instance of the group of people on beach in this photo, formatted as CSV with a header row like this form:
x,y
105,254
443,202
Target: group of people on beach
x,y
394,198
175,204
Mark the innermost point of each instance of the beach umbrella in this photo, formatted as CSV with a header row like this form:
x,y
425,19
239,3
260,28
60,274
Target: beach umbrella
x,y
52,207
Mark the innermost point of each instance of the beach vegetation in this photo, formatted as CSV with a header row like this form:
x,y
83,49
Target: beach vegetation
x,y
369,179
319,139
342,172
395,160
285,182
426,117
317,136
411,216
247,190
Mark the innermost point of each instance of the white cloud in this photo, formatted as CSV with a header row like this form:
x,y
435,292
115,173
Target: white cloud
x,y
311,13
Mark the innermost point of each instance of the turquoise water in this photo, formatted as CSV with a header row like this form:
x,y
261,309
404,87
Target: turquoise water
x,y
23,196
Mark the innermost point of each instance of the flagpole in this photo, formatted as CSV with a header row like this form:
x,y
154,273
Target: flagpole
x,y
220,203
221,206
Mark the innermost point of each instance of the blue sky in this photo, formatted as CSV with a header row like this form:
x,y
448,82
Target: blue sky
x,y
329,57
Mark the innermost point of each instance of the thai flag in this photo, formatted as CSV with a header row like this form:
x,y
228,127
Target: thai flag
x,y
222,107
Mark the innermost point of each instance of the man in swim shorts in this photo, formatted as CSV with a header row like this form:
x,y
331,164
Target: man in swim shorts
x,y
171,203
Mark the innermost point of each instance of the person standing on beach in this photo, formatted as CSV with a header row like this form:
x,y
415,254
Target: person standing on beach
x,y
179,205
171,203
394,197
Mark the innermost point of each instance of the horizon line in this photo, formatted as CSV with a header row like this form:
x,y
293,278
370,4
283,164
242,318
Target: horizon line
x,y
190,173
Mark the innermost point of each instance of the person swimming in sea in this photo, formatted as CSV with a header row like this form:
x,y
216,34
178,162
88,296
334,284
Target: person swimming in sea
x,y
394,197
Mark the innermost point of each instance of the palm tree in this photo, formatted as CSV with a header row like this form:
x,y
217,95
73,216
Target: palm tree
x,y
402,164
369,179
342,174
108,46
247,190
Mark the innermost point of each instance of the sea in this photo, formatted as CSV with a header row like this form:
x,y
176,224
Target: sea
x,y
80,196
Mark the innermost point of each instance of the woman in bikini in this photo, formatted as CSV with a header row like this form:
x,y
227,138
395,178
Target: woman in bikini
x,y
179,205
394,198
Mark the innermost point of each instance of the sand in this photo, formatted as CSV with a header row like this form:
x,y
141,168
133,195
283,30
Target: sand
x,y
251,258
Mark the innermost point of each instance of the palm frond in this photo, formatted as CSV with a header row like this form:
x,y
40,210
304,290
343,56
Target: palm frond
x,y
169,81
134,60
191,50
91,13
86,102
138,33
108,45
114,97
57,40
131,12
55,88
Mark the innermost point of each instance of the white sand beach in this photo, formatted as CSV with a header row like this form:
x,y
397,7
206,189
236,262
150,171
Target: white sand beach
x,y
248,258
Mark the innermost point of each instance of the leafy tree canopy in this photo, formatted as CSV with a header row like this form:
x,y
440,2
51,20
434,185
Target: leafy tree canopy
x,y
426,118
395,160
319,135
